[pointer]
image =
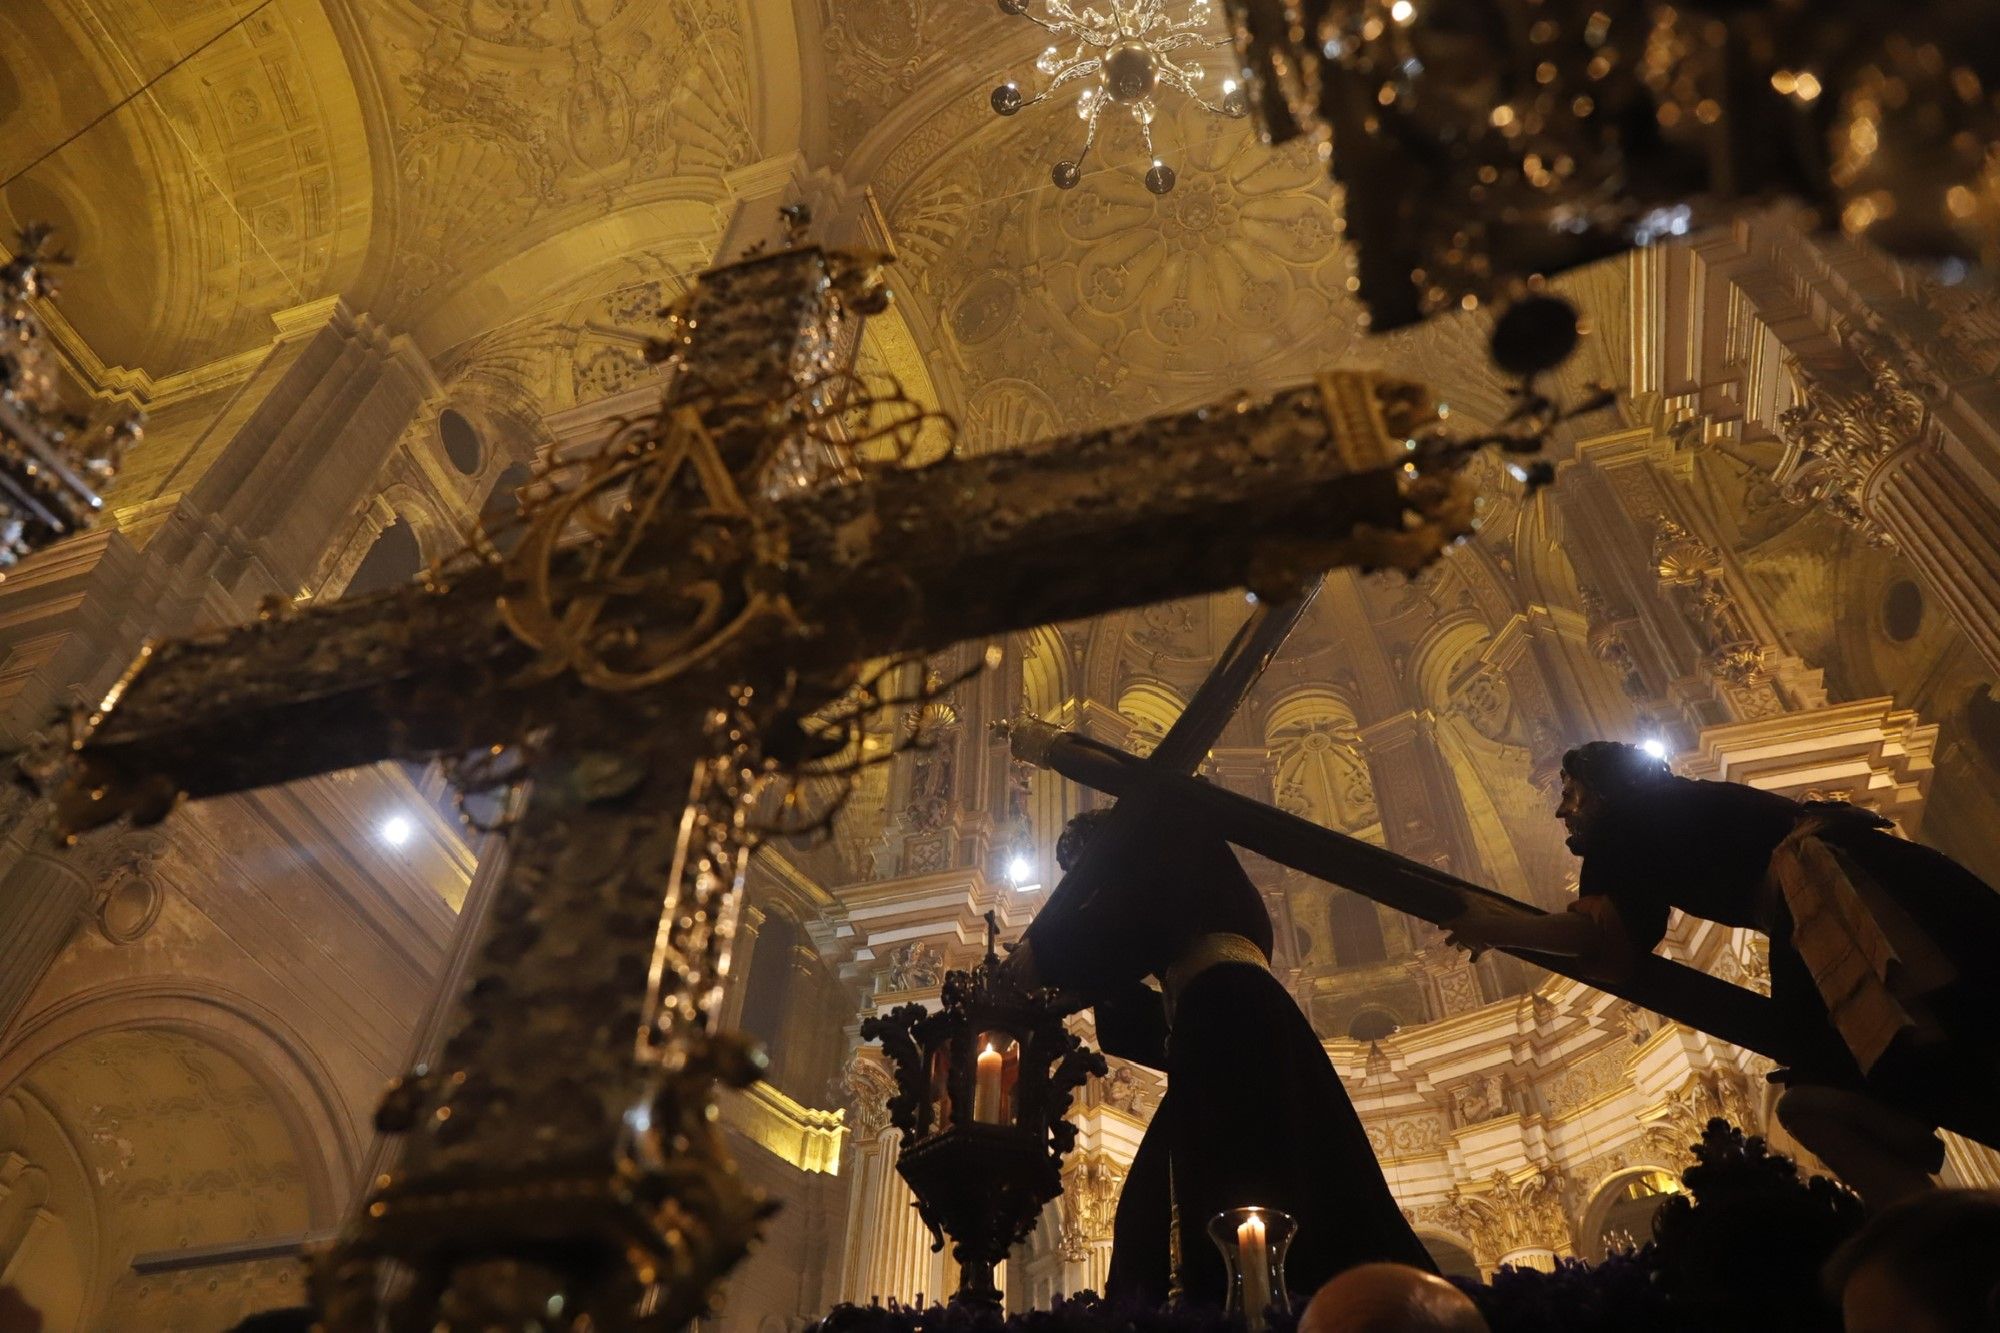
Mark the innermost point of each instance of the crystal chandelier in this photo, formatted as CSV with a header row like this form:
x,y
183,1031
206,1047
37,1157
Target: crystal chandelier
x,y
1124,57
51,460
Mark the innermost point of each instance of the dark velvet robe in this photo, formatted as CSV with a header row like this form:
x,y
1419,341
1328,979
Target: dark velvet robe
x,y
1254,1113
1705,848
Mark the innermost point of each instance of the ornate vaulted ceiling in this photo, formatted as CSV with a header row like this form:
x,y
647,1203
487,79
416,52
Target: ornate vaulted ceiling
x,y
240,187
480,172
520,184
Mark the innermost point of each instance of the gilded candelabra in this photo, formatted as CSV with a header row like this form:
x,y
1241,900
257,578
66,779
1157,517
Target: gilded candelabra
x,y
52,461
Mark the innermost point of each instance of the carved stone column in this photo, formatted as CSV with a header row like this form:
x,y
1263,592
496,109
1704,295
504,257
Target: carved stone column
x,y
742,959
218,509
1865,445
1416,796
41,903
793,1054
1423,819
1089,1203
1691,651
888,1252
428,1040
1518,1221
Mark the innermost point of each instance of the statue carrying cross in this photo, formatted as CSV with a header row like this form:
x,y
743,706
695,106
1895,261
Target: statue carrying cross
x,y
680,630
1876,1053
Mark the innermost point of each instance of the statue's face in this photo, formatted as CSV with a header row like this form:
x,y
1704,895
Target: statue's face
x,y
1577,809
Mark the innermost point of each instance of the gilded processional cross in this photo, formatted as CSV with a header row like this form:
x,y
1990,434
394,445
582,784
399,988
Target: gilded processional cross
x,y
672,650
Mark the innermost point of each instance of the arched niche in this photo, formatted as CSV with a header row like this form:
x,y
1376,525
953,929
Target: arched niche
x,y
1045,673
1620,1213
1151,707
1451,1255
392,561
1321,772
1445,658
48,1218
155,1139
304,1088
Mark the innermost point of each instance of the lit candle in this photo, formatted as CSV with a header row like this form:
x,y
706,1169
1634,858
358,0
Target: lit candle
x,y
986,1088
1253,1260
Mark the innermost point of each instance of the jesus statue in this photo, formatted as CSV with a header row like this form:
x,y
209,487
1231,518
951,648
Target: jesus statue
x,y
1254,1113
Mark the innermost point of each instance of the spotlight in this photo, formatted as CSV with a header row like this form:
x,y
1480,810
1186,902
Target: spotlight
x,y
1020,870
396,830
1654,746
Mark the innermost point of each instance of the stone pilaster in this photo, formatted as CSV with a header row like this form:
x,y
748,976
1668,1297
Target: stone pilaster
x,y
236,501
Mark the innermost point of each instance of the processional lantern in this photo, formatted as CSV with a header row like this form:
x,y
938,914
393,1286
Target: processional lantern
x,y
1484,144
52,461
983,1085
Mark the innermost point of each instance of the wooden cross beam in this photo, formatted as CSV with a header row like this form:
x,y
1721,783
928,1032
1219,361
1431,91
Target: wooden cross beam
x,y
561,1156
1706,1003
1675,990
1179,753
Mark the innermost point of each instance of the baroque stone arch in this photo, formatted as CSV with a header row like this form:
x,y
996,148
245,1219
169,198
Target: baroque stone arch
x,y
302,1091
183,1146
1151,707
1620,1210
1445,657
1046,689
50,1232
1542,567
1480,732
1452,1254
436,536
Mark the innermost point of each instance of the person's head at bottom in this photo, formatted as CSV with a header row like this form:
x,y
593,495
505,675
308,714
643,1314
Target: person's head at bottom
x,y
1930,1264
1390,1298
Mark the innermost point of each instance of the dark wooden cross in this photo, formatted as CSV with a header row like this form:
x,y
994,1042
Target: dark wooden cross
x,y
656,646
1164,788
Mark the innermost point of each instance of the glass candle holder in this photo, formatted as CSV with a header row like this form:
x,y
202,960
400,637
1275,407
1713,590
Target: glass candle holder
x,y
997,1069
1254,1242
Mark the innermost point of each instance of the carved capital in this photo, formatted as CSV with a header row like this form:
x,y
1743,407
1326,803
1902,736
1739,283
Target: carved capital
x,y
1091,1185
1836,438
866,1087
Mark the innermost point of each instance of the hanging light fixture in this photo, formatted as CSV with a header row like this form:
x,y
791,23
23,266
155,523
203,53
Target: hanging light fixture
x,y
1123,57
1485,144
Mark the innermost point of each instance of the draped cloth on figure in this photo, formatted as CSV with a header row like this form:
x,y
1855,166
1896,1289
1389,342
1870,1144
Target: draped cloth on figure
x,y
1254,1112
1882,950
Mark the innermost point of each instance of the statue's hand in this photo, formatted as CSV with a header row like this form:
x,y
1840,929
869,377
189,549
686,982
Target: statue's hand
x,y
1472,930
1019,967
